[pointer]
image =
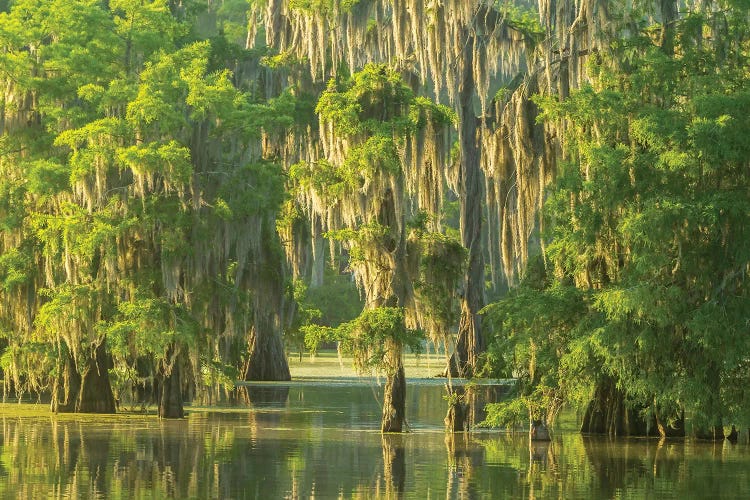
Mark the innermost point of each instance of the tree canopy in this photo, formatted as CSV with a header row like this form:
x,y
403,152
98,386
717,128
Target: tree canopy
x,y
554,191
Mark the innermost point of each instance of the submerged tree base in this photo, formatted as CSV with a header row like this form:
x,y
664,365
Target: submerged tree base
x,y
90,392
394,402
608,413
458,411
66,387
170,401
539,431
267,360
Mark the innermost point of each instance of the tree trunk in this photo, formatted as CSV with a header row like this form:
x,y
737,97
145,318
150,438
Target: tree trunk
x,y
668,429
318,257
470,184
669,12
733,435
67,385
394,401
608,413
144,392
267,360
96,392
713,432
457,418
170,400
539,431
710,433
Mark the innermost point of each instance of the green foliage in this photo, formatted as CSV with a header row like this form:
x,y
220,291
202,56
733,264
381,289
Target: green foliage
x,y
12,211
315,335
375,338
252,118
376,156
147,27
364,240
323,178
47,178
305,315
337,299
148,326
647,260
215,373
522,19
69,309
283,60
179,77
377,113
510,414
423,111
534,327
374,101
16,269
440,271
170,160
252,189
133,193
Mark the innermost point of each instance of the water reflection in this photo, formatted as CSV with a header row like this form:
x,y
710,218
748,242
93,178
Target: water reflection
x,y
264,395
541,455
394,465
324,442
463,458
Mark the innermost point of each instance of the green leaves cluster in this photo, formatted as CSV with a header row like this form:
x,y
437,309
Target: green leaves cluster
x,y
374,339
376,101
522,19
437,277
646,264
132,193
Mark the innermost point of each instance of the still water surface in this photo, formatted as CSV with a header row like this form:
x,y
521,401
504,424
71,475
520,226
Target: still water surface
x,y
322,440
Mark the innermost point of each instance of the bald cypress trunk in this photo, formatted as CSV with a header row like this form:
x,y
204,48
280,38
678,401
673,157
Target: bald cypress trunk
x,y
170,399
471,194
267,360
458,411
609,414
266,356
67,385
96,392
394,401
673,428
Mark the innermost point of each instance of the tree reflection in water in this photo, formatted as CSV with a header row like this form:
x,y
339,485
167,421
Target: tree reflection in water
x,y
394,465
261,396
328,445
464,456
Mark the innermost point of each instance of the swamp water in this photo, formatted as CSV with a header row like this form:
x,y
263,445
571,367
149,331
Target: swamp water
x,y
322,440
